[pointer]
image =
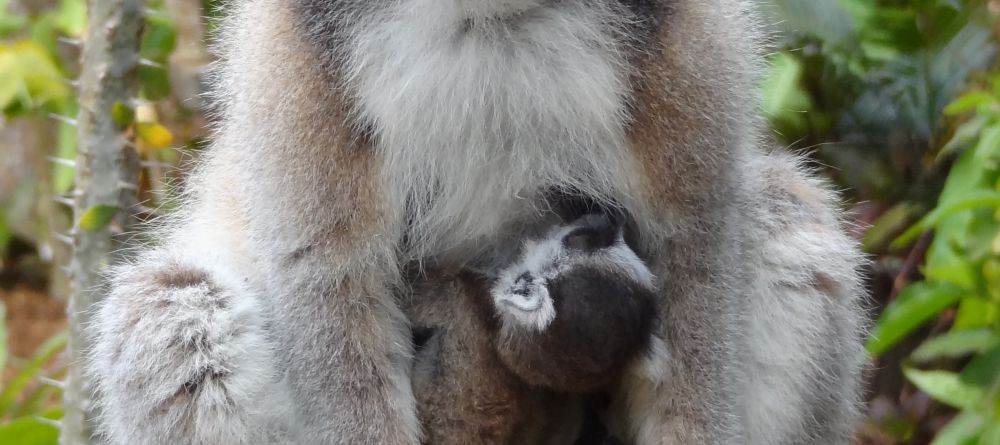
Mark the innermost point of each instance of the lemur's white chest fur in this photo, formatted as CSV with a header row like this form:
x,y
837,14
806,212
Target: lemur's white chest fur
x,y
472,114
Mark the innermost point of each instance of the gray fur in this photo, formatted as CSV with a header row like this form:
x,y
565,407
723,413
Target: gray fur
x,y
356,136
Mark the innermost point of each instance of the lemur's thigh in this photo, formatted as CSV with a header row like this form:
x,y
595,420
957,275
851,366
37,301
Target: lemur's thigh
x,y
804,344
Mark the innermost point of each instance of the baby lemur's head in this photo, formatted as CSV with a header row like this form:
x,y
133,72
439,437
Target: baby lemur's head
x,y
575,307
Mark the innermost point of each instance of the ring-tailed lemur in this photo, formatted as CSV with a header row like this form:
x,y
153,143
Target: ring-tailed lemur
x,y
358,136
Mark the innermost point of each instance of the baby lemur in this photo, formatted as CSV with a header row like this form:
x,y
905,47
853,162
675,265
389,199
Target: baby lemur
x,y
356,137
524,357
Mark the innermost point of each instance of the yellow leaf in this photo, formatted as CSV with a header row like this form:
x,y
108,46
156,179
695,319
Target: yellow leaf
x,y
154,135
29,75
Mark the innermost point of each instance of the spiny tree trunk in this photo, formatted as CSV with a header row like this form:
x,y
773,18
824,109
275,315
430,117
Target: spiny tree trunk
x,y
107,169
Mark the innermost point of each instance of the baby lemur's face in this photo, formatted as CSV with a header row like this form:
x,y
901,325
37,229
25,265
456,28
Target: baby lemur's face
x,y
575,306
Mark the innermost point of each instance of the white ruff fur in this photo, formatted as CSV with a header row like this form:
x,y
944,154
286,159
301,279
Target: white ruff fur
x,y
474,116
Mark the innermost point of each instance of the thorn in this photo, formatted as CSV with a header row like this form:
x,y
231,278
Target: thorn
x,y
62,161
63,119
155,164
137,102
150,63
68,202
45,252
127,186
69,41
65,239
49,422
52,382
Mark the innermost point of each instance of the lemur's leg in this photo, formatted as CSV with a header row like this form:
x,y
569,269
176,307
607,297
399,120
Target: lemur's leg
x,y
313,229
803,356
182,349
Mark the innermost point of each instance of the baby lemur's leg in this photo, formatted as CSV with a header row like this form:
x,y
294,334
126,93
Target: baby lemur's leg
x,y
464,393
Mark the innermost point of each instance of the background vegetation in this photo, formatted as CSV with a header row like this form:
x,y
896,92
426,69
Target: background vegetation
x,y
897,101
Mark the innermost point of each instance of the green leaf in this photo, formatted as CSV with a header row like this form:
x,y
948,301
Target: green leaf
x,y
968,102
30,431
964,429
946,387
34,400
970,200
97,217
43,355
3,337
975,312
10,23
160,39
984,370
122,115
63,177
155,82
29,77
785,101
894,220
915,305
956,344
71,17
6,234
966,133
946,265
988,147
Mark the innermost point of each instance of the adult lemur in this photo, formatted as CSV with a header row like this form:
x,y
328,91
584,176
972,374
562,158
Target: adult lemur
x,y
359,136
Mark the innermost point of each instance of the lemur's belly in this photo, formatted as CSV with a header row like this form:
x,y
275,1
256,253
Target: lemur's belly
x,y
507,108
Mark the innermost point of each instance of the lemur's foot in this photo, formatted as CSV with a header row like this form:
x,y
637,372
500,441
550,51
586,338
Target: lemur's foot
x,y
180,358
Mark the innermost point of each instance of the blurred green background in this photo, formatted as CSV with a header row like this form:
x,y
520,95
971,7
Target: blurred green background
x,y
896,101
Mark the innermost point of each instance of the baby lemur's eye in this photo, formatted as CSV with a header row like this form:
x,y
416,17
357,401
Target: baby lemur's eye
x,y
595,231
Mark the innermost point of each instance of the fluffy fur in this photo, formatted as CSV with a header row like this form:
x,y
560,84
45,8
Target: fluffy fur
x,y
575,308
487,372
357,136
464,392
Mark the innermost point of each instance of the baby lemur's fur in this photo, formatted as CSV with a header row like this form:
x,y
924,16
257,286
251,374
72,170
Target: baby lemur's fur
x,y
524,358
359,136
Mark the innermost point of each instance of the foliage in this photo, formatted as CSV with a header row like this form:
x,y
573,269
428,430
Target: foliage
x,y
24,400
962,276
877,86
866,81
37,62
